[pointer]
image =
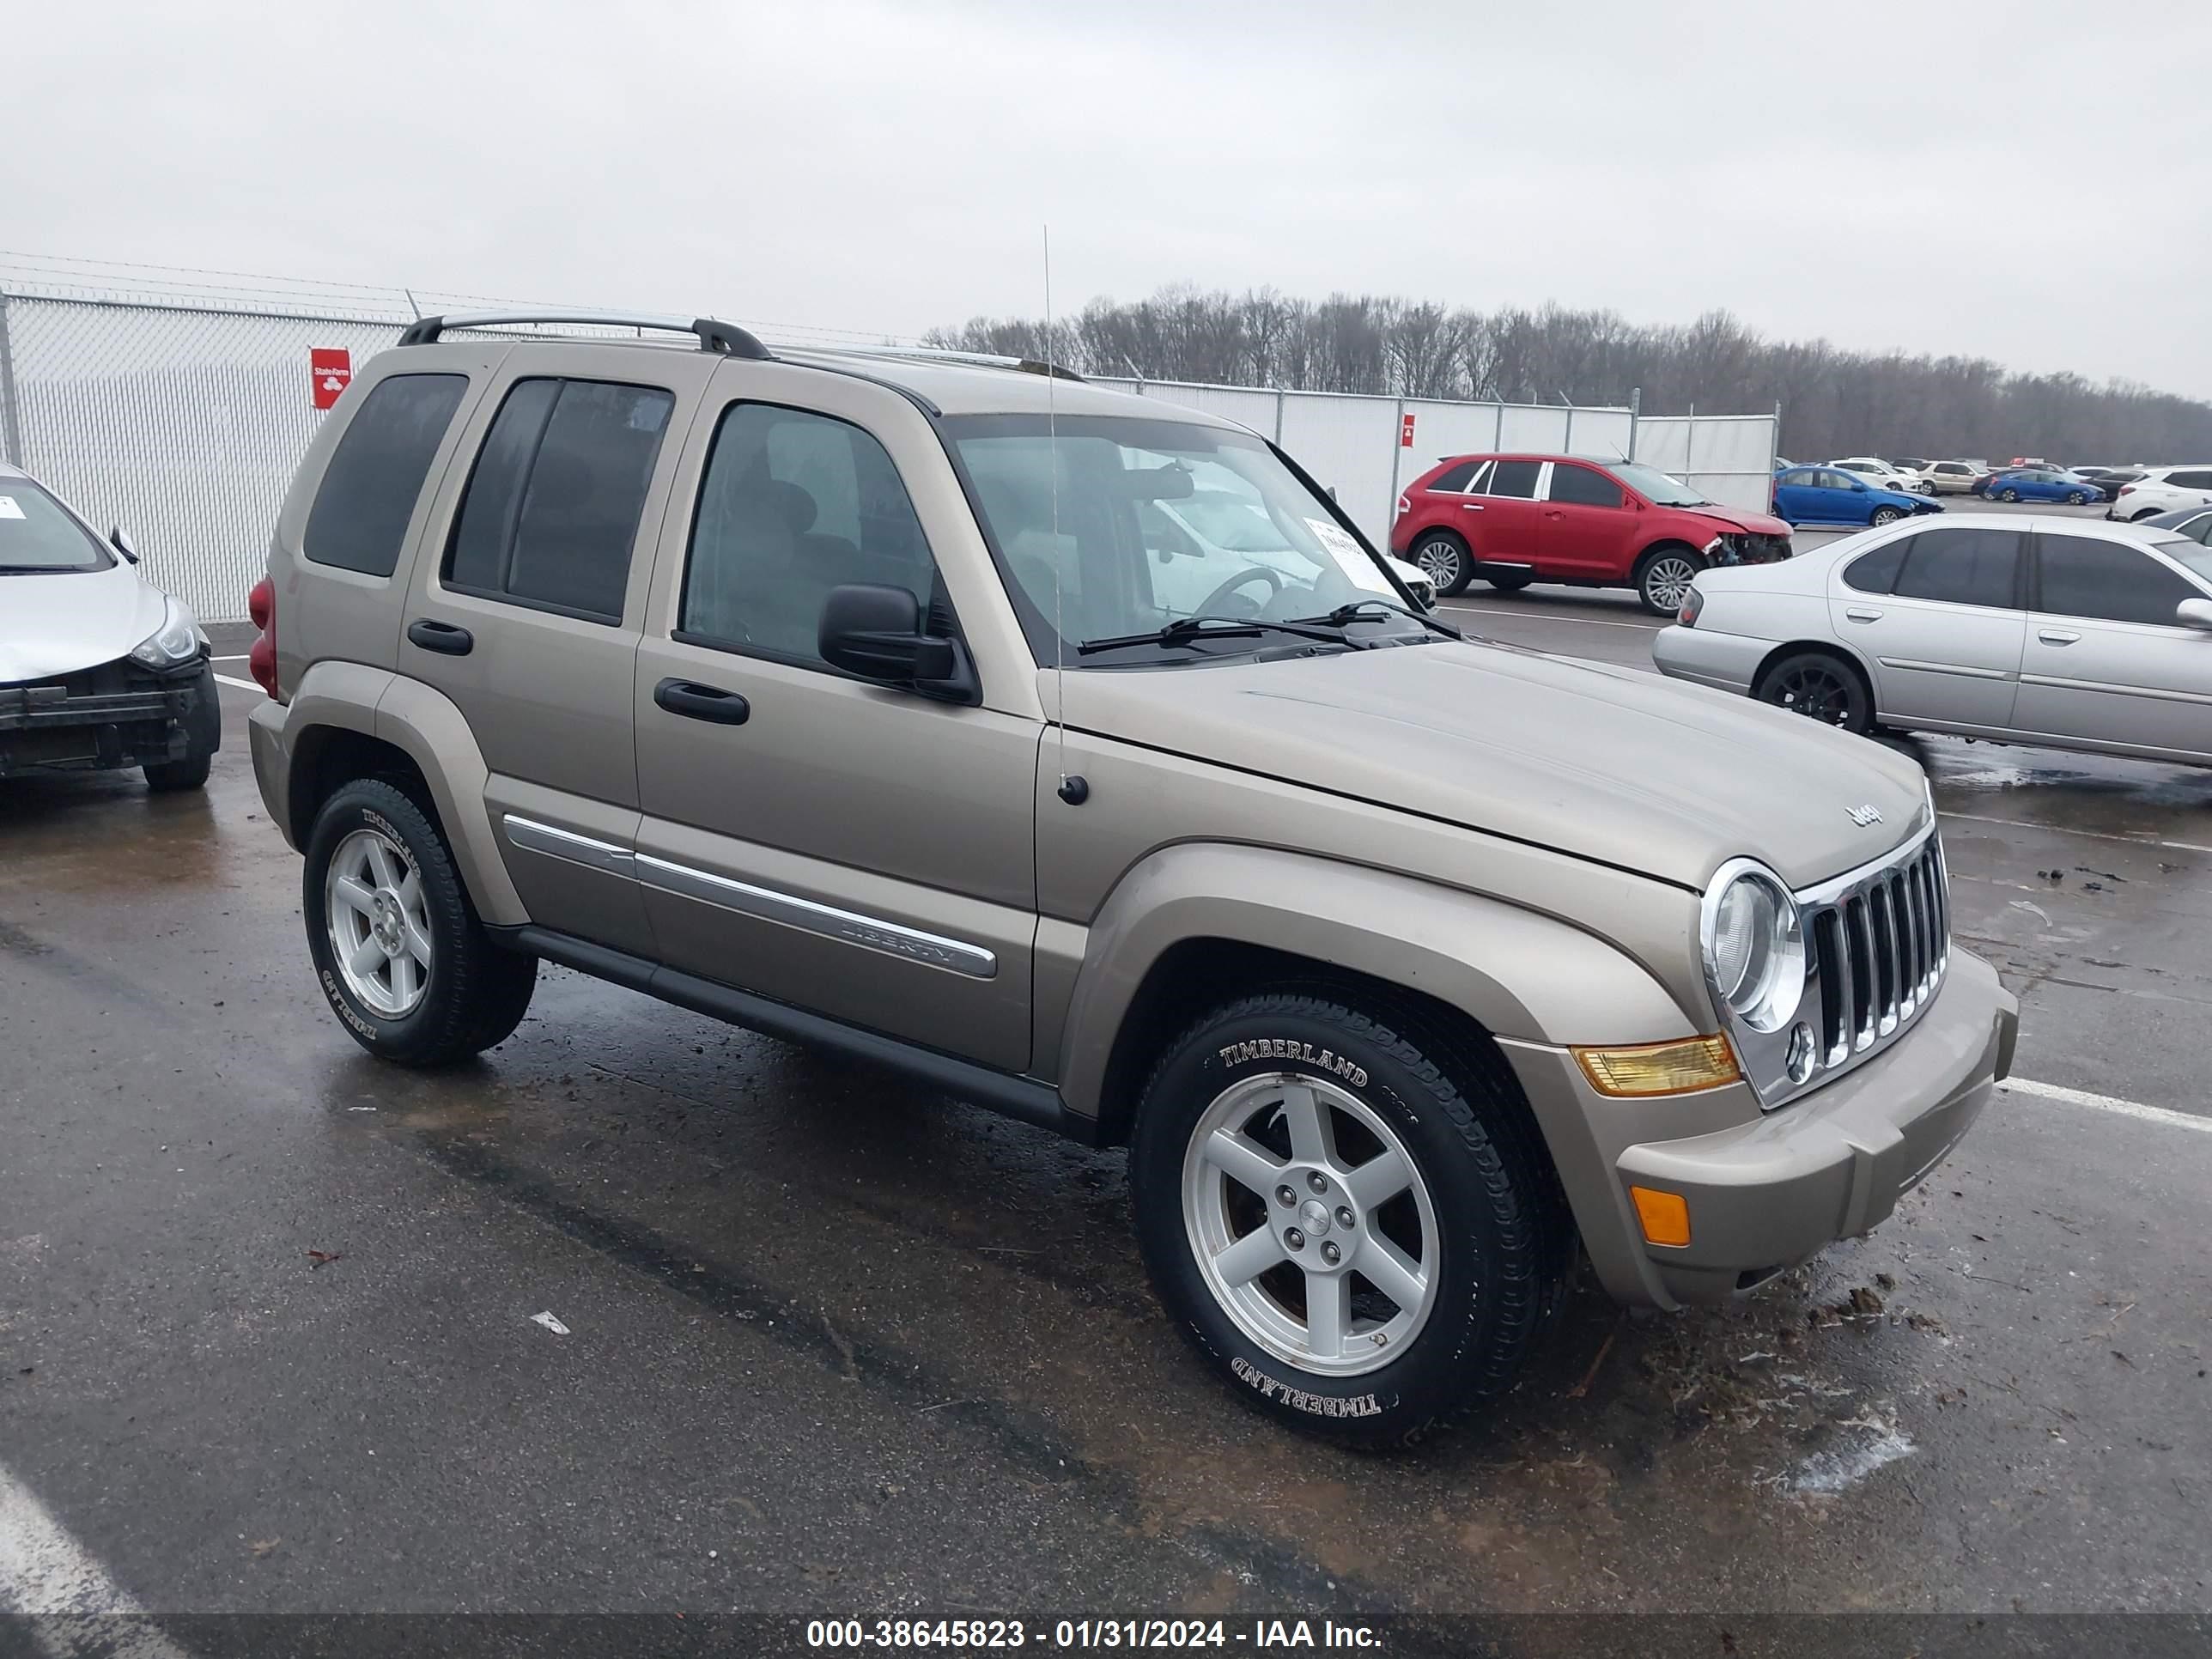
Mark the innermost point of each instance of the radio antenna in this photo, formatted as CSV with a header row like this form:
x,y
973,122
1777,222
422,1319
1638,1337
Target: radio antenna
x,y
1071,790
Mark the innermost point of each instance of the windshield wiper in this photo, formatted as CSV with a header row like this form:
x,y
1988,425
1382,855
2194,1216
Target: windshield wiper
x,y
1360,611
1188,631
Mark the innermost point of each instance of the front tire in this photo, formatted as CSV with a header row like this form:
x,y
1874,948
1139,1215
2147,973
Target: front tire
x,y
1508,584
1883,515
1663,578
2077,499
1445,560
1344,1217
1820,686
399,950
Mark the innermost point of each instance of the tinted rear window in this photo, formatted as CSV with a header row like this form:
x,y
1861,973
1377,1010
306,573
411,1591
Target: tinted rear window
x,y
360,517
1875,572
1515,478
2198,479
1961,567
1454,476
553,507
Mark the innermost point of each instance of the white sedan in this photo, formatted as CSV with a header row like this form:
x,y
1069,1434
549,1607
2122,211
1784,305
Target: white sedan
x,y
2047,631
1881,474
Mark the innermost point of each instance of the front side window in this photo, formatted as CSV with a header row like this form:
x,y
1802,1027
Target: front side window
x,y
39,537
552,507
2086,576
1961,567
368,492
1110,527
793,504
1833,480
1583,486
1515,478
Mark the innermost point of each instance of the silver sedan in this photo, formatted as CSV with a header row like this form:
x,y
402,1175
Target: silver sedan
x,y
2048,630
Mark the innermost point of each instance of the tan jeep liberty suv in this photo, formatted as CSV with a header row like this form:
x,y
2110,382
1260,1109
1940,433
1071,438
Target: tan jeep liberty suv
x,y
860,698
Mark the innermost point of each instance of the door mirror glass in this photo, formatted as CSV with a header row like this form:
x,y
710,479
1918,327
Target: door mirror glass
x,y
874,630
2195,613
121,539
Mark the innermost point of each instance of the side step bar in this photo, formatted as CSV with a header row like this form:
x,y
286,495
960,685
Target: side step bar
x,y
1022,1097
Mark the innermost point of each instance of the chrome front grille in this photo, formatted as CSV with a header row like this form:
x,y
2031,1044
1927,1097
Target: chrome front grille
x,y
1880,940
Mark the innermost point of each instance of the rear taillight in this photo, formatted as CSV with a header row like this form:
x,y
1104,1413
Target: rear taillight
x,y
1404,506
2127,489
261,659
1694,603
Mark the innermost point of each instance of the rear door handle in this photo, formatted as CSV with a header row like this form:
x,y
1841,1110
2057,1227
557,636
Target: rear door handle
x,y
1864,616
703,702
2055,637
1470,507
443,638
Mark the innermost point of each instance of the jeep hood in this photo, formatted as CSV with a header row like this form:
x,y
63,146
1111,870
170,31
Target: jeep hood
x,y
70,619
1645,774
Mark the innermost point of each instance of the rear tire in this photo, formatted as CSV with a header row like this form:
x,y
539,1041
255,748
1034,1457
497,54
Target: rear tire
x,y
1468,1238
2012,495
406,964
1821,686
1445,560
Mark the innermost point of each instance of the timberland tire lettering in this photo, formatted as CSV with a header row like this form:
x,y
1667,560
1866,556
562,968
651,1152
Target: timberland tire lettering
x,y
1236,1053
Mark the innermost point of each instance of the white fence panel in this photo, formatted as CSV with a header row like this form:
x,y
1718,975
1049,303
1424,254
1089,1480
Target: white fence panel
x,y
1253,409
1730,459
1441,429
1530,427
1604,434
1350,446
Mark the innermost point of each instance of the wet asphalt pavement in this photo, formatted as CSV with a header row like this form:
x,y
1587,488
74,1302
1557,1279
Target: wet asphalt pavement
x,y
837,1346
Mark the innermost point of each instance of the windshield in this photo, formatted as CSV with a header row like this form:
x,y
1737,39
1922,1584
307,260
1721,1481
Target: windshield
x,y
38,536
1655,486
1112,526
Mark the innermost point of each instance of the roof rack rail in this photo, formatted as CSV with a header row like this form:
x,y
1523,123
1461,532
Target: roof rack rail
x,y
726,337
944,354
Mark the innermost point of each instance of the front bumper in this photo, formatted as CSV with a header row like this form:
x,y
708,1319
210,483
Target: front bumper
x,y
114,715
1766,1191
1727,661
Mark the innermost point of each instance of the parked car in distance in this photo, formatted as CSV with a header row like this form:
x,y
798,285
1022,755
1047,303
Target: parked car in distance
x,y
831,693
1880,472
1212,533
1513,519
2109,480
2036,483
1951,477
1827,494
100,669
1912,466
2194,522
2162,489
2045,630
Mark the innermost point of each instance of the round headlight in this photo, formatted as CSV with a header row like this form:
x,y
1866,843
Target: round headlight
x,y
1755,949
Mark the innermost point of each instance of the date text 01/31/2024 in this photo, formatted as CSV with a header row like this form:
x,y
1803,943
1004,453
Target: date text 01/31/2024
x,y
1263,1635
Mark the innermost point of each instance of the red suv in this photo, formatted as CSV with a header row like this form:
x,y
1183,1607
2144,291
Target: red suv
x,y
1513,519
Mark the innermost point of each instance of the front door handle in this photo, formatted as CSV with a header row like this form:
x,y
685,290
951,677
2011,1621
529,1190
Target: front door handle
x,y
444,638
703,702
2055,637
1864,616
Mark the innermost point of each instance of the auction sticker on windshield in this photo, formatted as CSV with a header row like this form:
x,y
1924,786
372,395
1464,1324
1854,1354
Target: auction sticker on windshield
x,y
9,509
1351,557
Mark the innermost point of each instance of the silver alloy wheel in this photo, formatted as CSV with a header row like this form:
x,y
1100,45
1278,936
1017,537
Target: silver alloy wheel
x,y
1439,561
1667,581
379,922
1362,1235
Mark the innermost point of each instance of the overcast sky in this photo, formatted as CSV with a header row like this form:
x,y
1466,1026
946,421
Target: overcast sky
x,y
2027,182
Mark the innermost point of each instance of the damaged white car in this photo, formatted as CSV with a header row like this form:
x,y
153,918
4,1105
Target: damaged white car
x,y
99,669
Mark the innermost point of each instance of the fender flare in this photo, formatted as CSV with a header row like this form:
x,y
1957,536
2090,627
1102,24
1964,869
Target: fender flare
x,y
1519,974
428,727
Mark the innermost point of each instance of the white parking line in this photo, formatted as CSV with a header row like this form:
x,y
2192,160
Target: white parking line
x,y
226,660
2092,834
1544,617
243,685
2108,1103
47,1574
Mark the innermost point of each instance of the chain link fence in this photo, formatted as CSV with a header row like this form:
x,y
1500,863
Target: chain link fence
x,y
182,419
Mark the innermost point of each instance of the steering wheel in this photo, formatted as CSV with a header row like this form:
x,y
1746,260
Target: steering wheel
x,y
1215,602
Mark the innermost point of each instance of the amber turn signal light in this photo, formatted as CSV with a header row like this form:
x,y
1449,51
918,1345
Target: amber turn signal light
x,y
1665,1216
1661,1068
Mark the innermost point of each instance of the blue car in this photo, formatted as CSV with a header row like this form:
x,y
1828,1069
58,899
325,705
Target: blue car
x,y
2043,484
1828,495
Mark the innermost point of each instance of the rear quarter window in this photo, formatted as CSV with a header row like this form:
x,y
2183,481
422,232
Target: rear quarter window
x,y
367,495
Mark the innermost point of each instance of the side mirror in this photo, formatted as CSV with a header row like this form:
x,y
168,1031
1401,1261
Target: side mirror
x,y
120,538
875,632
2195,613
1858,489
